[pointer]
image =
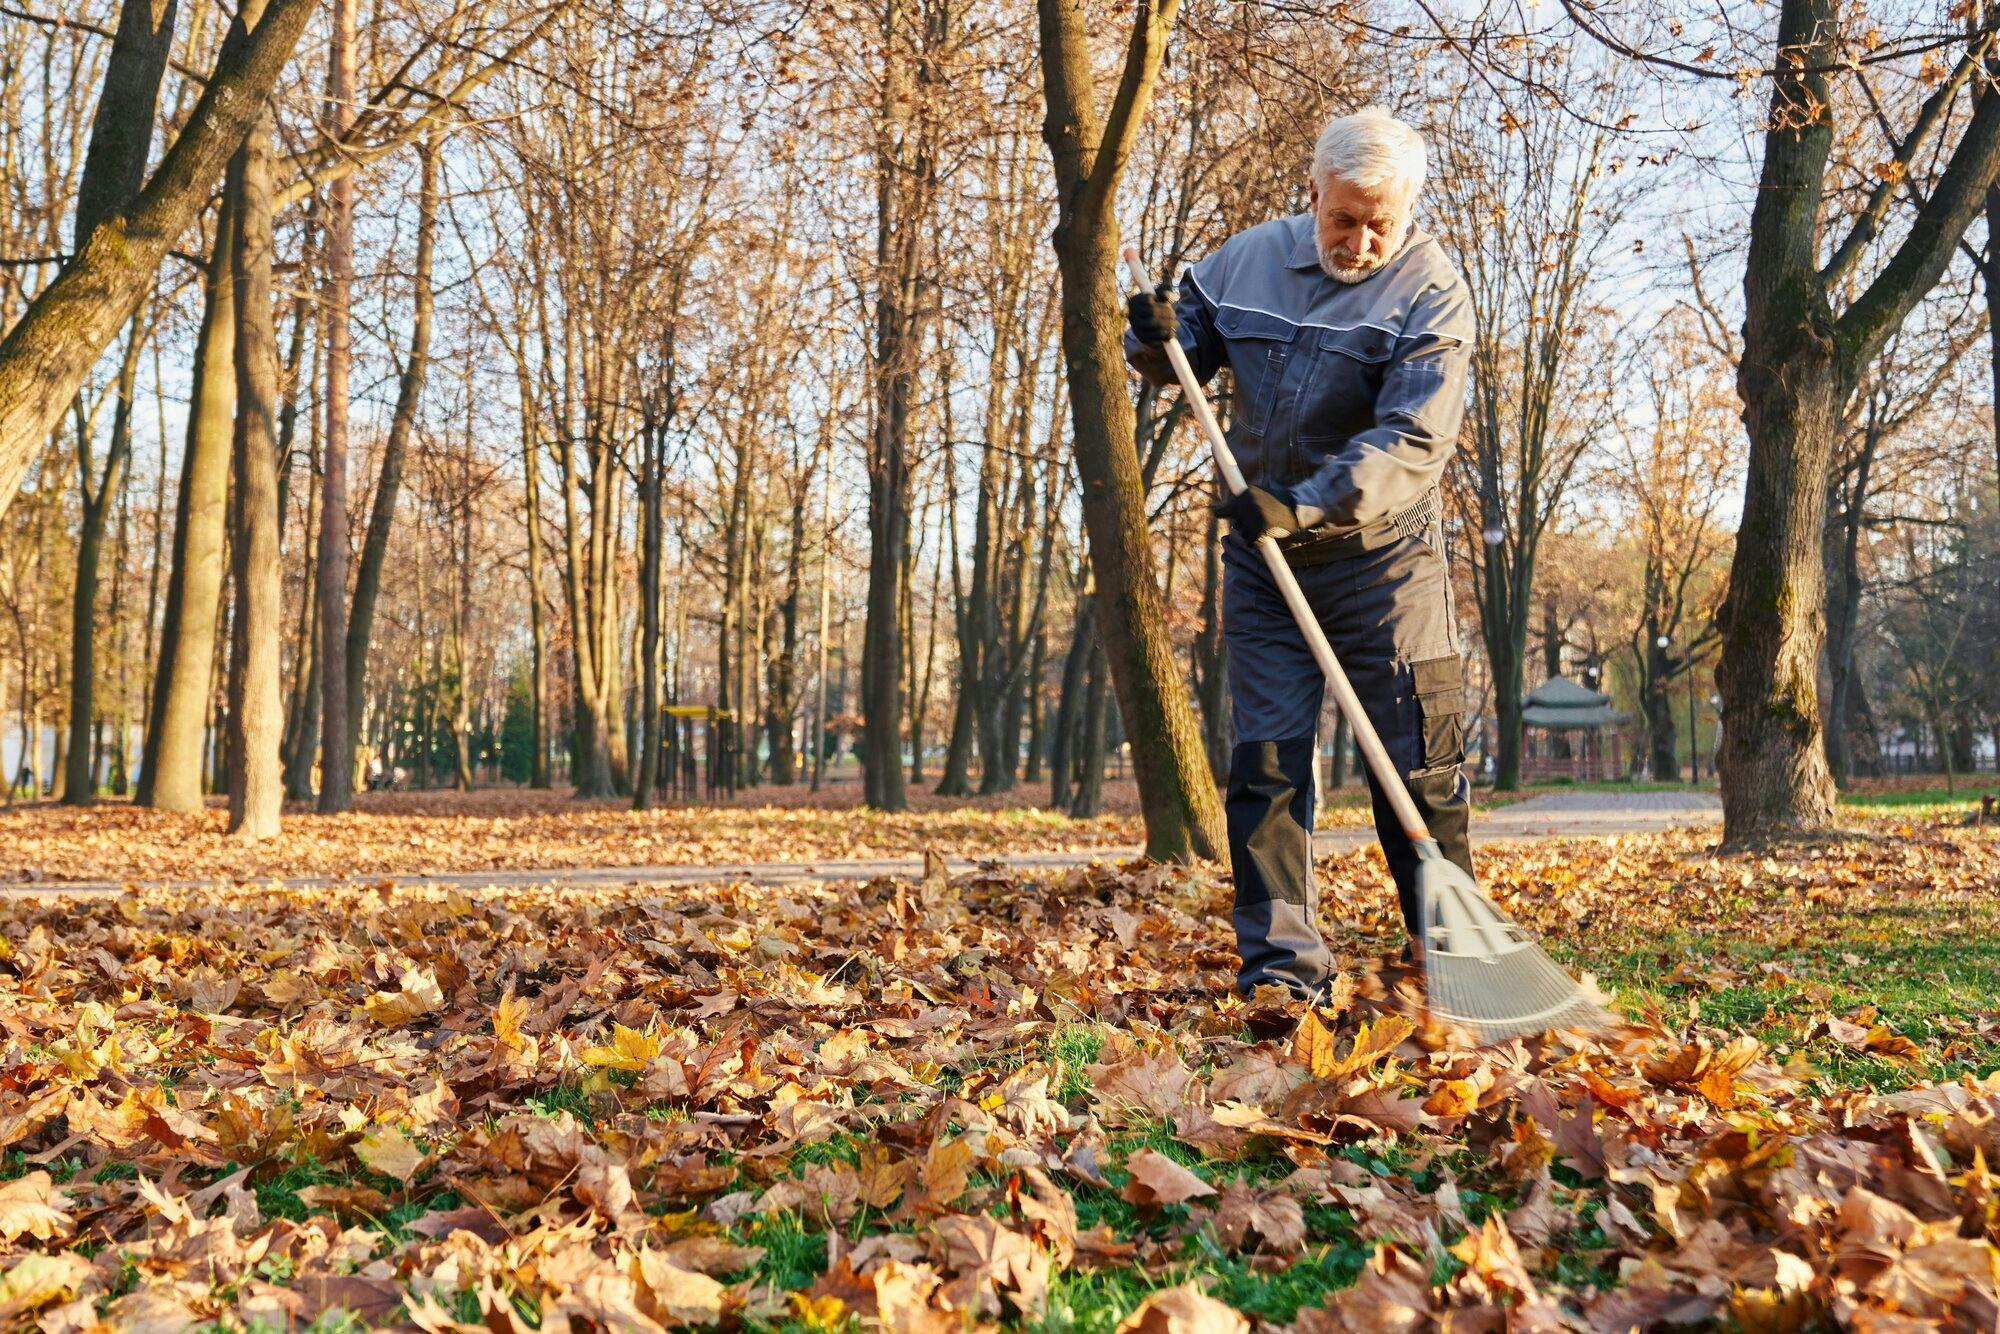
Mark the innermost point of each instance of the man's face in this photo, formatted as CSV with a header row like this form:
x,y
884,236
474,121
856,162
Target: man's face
x,y
1357,229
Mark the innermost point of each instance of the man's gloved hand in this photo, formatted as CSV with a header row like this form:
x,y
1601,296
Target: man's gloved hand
x,y
1258,510
1151,315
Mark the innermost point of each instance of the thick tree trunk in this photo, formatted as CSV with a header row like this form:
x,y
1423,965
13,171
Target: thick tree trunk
x,y
175,735
1182,809
1799,363
256,705
1773,760
49,351
336,731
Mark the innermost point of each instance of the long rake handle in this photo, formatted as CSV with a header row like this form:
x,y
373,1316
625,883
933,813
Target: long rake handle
x,y
1379,763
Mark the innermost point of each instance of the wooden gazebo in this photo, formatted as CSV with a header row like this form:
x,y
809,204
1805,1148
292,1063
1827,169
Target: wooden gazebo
x,y
1564,731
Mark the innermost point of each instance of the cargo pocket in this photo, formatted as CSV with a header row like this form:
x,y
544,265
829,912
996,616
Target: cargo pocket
x,y
1439,684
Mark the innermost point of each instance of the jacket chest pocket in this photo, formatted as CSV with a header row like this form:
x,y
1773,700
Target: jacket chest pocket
x,y
1339,398
1260,347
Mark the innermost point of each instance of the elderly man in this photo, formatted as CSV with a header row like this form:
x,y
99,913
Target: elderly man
x,y
1348,335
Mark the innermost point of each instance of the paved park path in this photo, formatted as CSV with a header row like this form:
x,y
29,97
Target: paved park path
x,y
1582,814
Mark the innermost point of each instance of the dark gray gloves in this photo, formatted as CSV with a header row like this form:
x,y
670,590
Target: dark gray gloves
x,y
1258,510
1151,315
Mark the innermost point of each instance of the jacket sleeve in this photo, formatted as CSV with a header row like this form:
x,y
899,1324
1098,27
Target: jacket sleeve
x,y
1194,319
1386,468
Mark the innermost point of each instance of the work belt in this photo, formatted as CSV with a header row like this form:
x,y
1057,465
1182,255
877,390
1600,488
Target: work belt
x,y
1318,546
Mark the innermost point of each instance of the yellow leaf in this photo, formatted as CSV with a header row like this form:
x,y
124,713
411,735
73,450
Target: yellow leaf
x,y
629,1050
1316,1048
33,1205
1453,1097
418,995
825,1312
389,1151
38,1280
508,1016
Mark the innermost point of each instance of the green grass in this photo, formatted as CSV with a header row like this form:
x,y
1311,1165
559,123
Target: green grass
x,y
1927,982
1924,803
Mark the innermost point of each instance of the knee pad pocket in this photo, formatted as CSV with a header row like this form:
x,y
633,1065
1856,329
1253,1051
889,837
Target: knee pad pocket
x,y
1439,685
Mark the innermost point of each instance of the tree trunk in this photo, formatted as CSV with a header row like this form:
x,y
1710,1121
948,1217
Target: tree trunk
x,y
782,692
646,772
1069,696
49,351
1090,752
1799,364
1182,810
80,774
256,706
1037,706
175,741
395,449
1211,664
1657,701
336,769
1844,607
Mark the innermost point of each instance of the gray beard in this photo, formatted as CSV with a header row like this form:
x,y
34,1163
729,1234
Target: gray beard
x,y
1345,273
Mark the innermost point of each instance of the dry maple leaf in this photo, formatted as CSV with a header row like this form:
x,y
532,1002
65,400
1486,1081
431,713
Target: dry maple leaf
x,y
1316,1047
34,1206
389,1151
1491,1255
1184,1309
994,1267
34,1281
903,1294
630,1050
1245,1220
676,1292
417,995
1158,1179
1391,1296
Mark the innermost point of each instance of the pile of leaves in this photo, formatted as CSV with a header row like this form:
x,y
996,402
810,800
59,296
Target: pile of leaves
x,y
956,1102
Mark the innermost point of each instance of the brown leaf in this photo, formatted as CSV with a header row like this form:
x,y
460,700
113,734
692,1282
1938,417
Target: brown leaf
x,y
1158,1179
1392,1296
1185,1309
1247,1220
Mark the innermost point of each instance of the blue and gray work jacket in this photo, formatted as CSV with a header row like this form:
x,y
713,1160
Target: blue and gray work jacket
x,y
1350,393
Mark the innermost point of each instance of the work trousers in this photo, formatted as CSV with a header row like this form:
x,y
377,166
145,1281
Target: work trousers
x,y
1387,613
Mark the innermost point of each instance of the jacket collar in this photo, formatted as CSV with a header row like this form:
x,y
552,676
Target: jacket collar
x,y
1305,249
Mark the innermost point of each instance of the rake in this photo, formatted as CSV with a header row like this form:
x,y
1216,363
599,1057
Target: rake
x,y
1482,972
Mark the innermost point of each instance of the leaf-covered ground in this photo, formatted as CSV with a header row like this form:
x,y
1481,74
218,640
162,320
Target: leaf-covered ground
x,y
939,1104
391,833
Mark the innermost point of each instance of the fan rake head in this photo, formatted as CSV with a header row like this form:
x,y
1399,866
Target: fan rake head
x,y
1484,973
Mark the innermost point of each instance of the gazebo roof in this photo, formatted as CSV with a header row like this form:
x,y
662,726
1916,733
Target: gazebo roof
x,y
1562,703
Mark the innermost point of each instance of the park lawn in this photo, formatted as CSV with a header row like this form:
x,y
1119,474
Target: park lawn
x,y
1032,1101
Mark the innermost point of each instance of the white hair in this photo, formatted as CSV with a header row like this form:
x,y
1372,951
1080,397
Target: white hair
x,y
1370,148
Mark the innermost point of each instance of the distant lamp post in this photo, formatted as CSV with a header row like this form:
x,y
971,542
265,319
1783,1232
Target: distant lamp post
x,y
1494,535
